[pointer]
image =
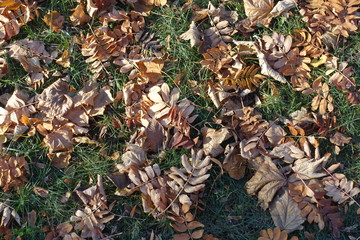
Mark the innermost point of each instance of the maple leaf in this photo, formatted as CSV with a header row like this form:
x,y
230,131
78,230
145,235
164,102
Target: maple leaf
x,y
12,117
308,169
54,20
286,214
265,183
257,12
193,34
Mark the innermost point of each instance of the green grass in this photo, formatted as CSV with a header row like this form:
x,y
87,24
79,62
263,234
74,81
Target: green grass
x,y
229,212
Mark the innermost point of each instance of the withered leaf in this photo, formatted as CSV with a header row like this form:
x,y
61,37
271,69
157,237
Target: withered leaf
x,y
275,234
79,17
212,140
64,60
257,12
286,214
234,163
265,183
339,139
193,34
54,20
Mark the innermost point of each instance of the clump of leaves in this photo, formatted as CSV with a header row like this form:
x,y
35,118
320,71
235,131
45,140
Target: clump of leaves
x,y
13,172
13,15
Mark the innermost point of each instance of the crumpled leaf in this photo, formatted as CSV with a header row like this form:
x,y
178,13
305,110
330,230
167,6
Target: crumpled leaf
x,y
64,60
234,163
286,214
54,20
283,6
212,140
193,34
339,139
79,17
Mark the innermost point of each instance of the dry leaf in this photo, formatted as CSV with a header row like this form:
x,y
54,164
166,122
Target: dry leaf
x,y
79,17
265,183
42,192
234,163
64,60
4,68
213,139
193,34
257,12
286,214
275,234
54,20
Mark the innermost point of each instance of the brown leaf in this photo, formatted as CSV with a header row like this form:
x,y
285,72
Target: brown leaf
x,y
275,134
54,20
265,183
257,12
286,214
213,139
283,6
234,163
64,60
151,70
79,17
41,192
308,169
197,234
339,139
4,68
182,236
59,140
193,34
63,228
275,234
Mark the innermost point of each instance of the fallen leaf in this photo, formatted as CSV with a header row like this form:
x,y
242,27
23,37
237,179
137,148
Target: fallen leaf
x,y
286,214
64,60
79,17
339,139
41,192
54,20
193,34
265,183
213,139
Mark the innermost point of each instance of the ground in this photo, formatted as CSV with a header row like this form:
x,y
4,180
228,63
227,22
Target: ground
x,y
229,212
